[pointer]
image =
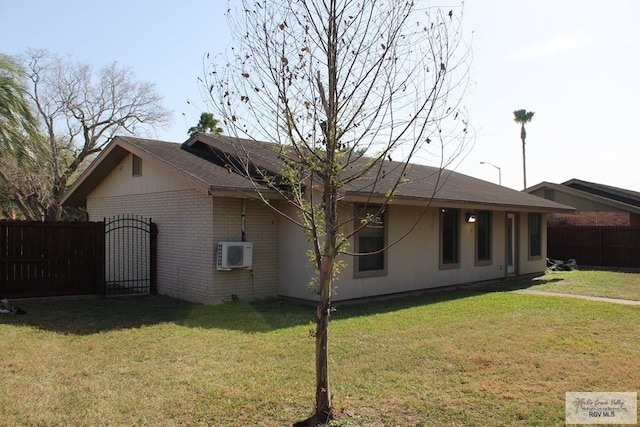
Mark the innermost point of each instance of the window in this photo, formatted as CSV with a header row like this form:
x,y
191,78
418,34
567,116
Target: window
x,y
535,235
449,238
483,238
371,238
136,166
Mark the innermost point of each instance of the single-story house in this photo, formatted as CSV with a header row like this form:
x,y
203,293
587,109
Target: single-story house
x,y
596,204
459,229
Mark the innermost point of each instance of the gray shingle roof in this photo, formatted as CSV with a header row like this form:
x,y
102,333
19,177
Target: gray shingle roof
x,y
420,183
616,198
197,169
614,193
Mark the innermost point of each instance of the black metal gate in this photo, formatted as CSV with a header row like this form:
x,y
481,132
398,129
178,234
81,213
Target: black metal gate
x,y
130,255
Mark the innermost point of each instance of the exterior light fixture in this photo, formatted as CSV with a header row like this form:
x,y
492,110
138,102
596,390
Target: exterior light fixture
x,y
471,217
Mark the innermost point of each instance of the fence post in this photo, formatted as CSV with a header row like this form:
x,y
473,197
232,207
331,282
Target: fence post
x,y
600,230
100,258
153,264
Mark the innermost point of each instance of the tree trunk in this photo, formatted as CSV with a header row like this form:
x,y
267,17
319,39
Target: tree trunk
x,y
323,411
523,136
54,210
323,394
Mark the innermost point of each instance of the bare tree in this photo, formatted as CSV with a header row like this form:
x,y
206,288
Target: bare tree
x,y
80,111
341,87
26,185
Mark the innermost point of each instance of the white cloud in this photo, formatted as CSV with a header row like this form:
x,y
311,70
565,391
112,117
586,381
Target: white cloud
x,y
556,45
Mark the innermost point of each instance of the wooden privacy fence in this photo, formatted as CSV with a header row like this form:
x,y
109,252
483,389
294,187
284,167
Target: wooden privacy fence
x,y
51,258
595,246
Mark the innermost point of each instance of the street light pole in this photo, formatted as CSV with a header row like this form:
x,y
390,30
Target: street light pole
x,y
497,167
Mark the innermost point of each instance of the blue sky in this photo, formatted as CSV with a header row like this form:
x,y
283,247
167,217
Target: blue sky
x,y
575,63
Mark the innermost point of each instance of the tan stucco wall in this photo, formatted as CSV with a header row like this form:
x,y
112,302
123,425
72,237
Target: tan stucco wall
x,y
191,223
187,237
527,264
295,270
413,263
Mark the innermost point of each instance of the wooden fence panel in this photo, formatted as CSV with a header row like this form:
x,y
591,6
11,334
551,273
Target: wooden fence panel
x,y
595,246
51,258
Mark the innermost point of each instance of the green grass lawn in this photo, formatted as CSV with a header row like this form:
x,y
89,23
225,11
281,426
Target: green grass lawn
x,y
595,283
445,359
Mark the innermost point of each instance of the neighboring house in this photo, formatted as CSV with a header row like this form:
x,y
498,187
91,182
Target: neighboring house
x,y
196,200
595,204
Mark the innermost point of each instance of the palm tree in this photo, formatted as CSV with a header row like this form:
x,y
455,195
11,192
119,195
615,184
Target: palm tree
x,y
522,117
16,119
207,123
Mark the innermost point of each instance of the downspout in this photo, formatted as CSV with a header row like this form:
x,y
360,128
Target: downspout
x,y
242,217
243,214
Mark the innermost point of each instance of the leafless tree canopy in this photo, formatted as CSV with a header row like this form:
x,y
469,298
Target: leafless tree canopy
x,y
341,87
80,111
395,63
361,78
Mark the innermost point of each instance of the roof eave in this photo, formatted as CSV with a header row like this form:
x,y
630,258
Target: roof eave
x,y
110,156
466,204
243,193
117,150
585,195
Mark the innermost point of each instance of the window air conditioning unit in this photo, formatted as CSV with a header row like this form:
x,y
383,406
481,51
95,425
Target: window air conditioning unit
x,y
234,255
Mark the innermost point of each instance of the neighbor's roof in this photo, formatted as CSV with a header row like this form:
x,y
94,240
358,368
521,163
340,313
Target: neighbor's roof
x,y
618,198
201,162
614,193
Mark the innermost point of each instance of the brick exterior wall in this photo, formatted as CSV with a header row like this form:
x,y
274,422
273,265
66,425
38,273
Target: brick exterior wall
x,y
261,228
189,226
185,250
611,218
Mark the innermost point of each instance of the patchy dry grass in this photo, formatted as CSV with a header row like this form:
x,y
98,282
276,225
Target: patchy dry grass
x,y
597,283
446,359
